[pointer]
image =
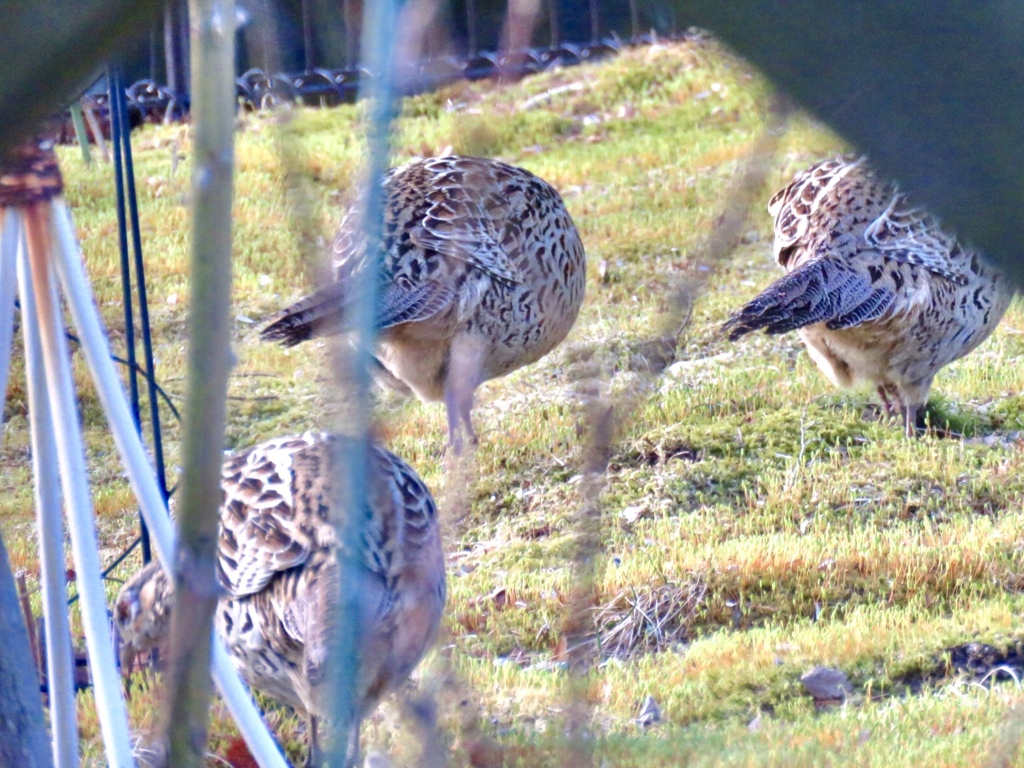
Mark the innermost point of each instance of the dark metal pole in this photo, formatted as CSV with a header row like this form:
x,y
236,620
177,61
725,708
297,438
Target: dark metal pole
x,y
152,52
120,140
595,24
116,118
351,34
556,33
185,44
307,36
471,26
173,50
634,19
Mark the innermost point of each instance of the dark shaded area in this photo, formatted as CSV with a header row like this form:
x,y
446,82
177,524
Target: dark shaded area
x,y
50,49
25,741
932,90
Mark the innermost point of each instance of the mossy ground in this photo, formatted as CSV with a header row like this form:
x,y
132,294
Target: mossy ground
x,y
754,522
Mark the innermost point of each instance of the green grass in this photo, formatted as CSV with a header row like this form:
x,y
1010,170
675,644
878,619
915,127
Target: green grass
x,y
754,521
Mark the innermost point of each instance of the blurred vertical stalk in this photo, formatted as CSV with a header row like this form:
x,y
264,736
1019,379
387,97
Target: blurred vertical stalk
x,y
209,362
78,121
578,629
380,20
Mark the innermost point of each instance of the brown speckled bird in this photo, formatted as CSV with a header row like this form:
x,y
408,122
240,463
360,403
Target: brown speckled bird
x,y
877,289
277,565
482,272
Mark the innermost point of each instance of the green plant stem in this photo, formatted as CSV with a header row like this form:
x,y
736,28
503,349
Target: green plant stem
x,y
209,362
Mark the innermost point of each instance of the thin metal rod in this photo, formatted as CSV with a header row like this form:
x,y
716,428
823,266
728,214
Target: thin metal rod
x,y
60,681
118,126
152,381
140,278
140,475
110,706
96,349
123,142
122,236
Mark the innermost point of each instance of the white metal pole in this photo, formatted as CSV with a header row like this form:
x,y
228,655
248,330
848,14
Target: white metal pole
x,y
8,257
110,707
67,261
140,473
59,655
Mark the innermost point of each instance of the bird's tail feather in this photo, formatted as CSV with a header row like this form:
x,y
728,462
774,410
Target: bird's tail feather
x,y
318,314
822,290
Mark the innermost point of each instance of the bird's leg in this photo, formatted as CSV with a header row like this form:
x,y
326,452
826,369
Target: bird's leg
x,y
453,413
911,416
913,397
464,365
910,420
883,393
352,755
313,759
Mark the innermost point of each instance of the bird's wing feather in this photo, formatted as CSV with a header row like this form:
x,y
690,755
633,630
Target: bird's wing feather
x,y
911,235
462,230
793,206
265,528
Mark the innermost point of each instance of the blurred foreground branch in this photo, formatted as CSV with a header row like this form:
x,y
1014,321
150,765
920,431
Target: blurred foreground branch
x,y
209,363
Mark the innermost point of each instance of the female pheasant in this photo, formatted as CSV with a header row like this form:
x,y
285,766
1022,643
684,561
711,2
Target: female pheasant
x,y
482,272
277,565
877,289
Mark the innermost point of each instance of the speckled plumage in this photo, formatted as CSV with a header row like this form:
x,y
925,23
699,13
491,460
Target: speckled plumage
x,y
276,562
483,272
878,290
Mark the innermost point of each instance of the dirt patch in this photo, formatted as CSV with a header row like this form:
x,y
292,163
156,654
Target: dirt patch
x,y
979,662
650,454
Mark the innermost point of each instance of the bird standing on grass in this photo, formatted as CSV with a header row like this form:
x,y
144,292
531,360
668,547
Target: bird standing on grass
x,y
482,271
877,289
277,565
